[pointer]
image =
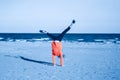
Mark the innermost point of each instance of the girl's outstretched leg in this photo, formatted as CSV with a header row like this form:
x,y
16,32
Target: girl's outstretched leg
x,y
60,37
50,35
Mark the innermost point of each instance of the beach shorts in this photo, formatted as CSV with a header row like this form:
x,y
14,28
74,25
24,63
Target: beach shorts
x,y
56,48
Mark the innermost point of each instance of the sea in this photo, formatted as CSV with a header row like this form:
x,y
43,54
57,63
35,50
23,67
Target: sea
x,y
69,37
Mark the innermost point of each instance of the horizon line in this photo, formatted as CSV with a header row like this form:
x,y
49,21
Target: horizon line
x,y
54,33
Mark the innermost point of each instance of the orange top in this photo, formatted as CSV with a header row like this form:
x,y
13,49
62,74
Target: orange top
x,y
56,48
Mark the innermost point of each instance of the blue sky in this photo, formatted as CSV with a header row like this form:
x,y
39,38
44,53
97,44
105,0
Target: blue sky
x,y
28,16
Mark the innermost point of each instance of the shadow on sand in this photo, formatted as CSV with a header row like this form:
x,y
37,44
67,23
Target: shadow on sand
x,y
31,60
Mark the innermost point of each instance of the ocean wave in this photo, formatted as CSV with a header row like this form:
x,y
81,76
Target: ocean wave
x,y
1,38
41,39
80,40
28,40
34,40
105,41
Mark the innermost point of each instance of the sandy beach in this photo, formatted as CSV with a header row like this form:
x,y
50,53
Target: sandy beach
x,y
23,60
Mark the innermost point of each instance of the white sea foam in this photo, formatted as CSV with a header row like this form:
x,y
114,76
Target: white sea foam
x,y
1,38
80,39
105,41
41,39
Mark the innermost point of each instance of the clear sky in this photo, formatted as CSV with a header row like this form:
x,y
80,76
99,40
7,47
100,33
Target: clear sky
x,y
28,16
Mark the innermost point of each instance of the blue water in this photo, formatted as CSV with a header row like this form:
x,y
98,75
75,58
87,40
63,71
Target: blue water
x,y
86,37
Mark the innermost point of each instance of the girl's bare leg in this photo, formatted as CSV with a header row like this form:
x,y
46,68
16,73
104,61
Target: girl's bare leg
x,y
53,60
